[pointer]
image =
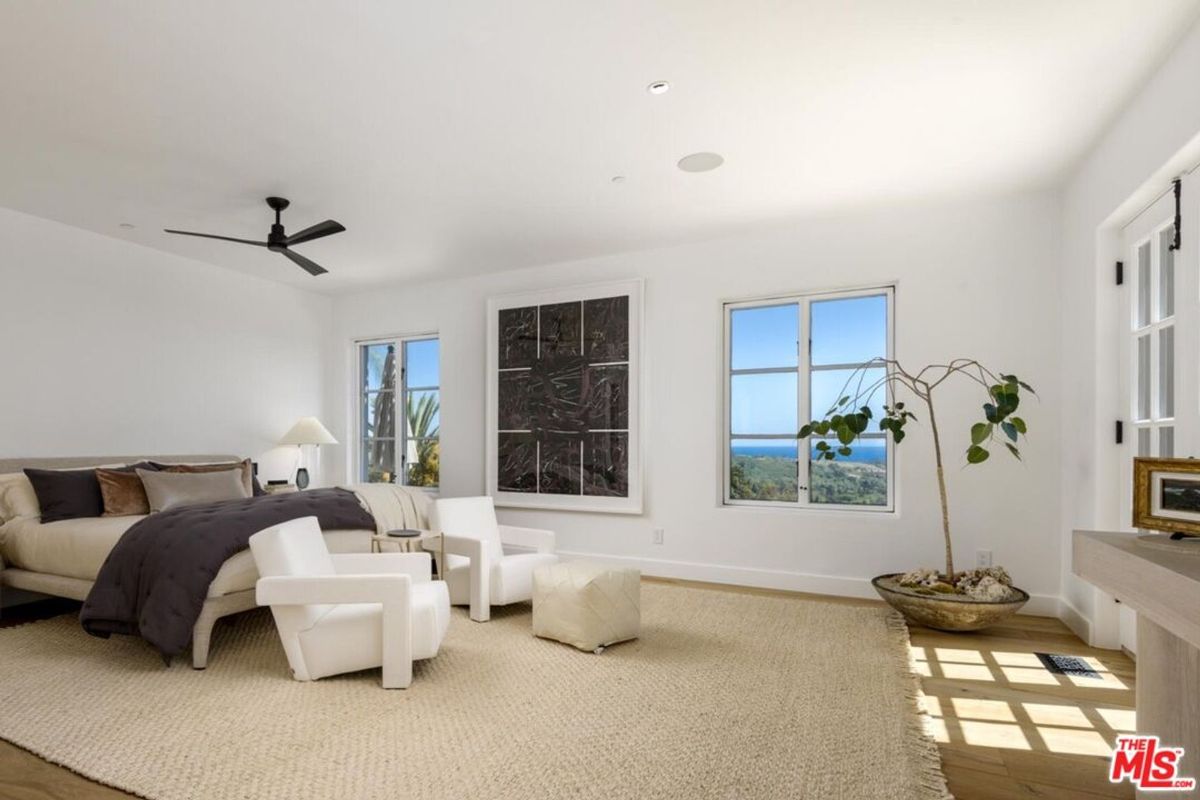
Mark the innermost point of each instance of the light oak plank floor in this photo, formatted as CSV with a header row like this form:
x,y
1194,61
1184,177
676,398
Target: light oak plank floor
x,y
1006,727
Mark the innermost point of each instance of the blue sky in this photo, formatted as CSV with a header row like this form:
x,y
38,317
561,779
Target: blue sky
x,y
421,356
844,331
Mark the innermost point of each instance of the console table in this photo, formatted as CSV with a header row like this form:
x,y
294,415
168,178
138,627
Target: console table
x,y
1164,589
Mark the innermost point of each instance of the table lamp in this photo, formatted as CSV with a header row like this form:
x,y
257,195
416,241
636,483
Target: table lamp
x,y
308,431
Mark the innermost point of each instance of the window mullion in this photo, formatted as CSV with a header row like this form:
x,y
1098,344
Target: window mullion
x,y
803,400
401,401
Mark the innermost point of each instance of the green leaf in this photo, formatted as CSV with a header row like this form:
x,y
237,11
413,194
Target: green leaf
x,y
976,454
844,451
865,411
843,401
822,427
1026,387
822,445
980,431
900,406
897,435
886,423
1019,424
858,423
805,432
1013,450
989,411
845,435
1009,429
1009,378
828,455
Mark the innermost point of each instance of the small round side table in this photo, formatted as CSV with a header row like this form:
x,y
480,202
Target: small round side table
x,y
412,544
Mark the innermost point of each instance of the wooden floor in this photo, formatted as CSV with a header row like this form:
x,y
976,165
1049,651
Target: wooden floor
x,y
1006,727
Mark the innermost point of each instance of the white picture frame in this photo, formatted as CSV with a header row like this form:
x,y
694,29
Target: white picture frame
x,y
629,503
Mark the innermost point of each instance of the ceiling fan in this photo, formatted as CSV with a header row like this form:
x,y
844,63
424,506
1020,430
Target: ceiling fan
x,y
278,241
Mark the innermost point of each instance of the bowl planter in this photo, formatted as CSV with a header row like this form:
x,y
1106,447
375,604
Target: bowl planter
x,y
946,612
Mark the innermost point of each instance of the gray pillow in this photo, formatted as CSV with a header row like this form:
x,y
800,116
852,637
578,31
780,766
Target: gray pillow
x,y
167,490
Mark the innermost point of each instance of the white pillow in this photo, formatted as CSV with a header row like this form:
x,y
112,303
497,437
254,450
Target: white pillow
x,y
167,490
17,498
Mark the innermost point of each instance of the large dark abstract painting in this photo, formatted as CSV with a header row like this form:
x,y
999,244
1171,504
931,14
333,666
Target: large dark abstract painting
x,y
564,402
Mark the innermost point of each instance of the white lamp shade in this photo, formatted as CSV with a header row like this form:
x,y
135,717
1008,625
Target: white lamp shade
x,y
308,430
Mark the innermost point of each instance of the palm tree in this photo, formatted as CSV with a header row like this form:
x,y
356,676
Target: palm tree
x,y
381,454
422,413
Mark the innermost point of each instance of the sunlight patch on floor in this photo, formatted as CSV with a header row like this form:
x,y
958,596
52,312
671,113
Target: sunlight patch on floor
x,y
1054,714
958,656
967,672
987,710
1074,742
1038,677
993,734
1122,720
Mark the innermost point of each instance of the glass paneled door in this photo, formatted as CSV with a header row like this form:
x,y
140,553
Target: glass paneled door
x,y
1149,371
1149,362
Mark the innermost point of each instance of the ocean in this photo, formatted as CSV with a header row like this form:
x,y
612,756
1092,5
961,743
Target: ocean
x,y
870,454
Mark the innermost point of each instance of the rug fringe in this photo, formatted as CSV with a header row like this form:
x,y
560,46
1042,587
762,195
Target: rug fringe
x,y
917,738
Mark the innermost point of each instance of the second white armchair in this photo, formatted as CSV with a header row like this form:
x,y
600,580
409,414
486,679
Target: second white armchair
x,y
477,571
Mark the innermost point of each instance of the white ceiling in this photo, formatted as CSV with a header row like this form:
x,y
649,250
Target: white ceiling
x,y
456,137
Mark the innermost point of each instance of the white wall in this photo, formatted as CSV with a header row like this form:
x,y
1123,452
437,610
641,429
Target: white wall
x,y
975,277
113,348
1149,143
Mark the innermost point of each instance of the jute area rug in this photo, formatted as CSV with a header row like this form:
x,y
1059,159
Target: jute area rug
x,y
726,695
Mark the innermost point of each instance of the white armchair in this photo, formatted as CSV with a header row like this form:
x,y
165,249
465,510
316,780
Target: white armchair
x,y
477,570
348,612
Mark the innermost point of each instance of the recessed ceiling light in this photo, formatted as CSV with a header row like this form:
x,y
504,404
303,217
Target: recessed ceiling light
x,y
659,87
618,179
701,162
127,226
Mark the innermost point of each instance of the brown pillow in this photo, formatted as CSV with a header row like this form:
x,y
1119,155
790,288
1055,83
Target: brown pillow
x,y
247,470
123,493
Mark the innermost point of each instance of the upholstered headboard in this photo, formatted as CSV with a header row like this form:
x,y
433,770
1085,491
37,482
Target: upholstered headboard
x,y
68,462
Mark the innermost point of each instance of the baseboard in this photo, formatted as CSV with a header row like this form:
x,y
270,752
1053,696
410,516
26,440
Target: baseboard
x,y
1074,619
837,586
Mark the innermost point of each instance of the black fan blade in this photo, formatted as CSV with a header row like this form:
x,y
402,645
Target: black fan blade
x,y
306,264
214,236
326,228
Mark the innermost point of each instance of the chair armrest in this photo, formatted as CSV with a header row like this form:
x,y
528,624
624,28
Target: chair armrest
x,y
533,538
302,590
417,566
460,546
479,572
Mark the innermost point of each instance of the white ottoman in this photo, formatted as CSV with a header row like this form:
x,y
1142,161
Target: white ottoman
x,y
585,604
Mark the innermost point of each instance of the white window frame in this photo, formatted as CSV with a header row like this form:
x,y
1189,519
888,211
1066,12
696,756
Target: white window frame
x,y
804,372
398,399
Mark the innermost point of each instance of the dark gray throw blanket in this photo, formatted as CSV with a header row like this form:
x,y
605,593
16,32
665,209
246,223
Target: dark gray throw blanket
x,y
155,581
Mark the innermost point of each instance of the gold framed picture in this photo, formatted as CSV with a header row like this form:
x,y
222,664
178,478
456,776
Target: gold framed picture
x,y
1166,495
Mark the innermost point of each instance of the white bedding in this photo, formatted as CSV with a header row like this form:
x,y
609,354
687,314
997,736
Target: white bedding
x,y
76,548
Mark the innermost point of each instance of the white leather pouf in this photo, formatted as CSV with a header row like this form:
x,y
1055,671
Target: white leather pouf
x,y
587,605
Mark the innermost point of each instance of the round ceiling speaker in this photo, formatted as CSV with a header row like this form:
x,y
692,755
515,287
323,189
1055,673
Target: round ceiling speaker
x,y
701,162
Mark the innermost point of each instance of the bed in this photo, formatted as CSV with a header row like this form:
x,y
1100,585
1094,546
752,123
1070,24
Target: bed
x,y
63,558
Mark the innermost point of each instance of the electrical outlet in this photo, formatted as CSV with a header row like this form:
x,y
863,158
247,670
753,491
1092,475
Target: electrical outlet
x,y
658,536
983,558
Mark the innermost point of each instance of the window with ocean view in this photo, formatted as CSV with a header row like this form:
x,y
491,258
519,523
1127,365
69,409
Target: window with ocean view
x,y
788,361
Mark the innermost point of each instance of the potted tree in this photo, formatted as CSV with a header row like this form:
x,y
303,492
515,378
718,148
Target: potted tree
x,y
944,599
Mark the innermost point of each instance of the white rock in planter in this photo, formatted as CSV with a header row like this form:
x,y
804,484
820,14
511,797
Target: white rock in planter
x,y
920,577
988,589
